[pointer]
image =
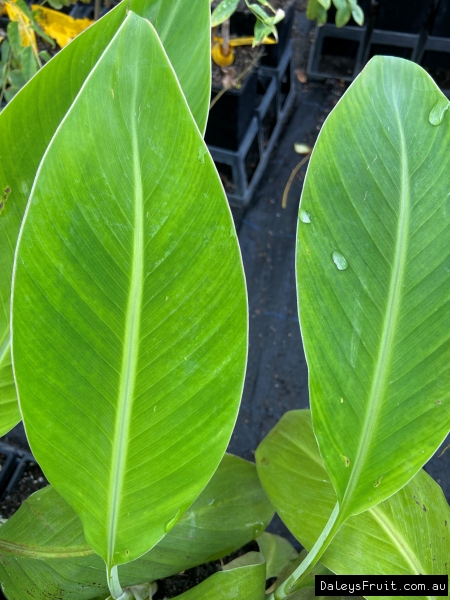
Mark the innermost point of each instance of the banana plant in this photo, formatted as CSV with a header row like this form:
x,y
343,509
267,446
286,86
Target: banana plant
x,y
129,312
373,283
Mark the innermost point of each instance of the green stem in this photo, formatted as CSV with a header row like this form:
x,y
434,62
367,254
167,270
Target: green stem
x,y
291,583
115,588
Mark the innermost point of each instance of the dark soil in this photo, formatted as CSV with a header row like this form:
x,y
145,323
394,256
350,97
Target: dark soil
x,y
2,461
246,59
31,480
178,584
441,77
339,66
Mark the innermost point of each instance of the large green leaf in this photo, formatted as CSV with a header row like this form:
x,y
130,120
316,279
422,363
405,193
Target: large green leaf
x,y
242,579
373,276
129,308
42,547
29,121
407,534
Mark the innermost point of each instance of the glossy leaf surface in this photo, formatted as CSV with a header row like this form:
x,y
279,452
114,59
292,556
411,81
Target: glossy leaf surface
x,y
29,121
242,579
407,534
373,277
129,304
42,547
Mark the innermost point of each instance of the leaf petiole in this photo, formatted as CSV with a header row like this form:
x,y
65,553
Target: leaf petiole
x,y
113,583
331,528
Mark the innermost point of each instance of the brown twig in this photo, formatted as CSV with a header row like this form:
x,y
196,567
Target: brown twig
x,y
291,179
233,83
226,37
442,453
97,9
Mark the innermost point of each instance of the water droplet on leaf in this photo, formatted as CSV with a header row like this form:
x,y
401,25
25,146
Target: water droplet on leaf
x,y
339,260
172,521
437,113
304,216
201,154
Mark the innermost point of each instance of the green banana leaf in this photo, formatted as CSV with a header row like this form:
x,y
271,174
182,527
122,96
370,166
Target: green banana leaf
x,y
29,121
129,313
242,579
373,277
277,552
408,534
42,547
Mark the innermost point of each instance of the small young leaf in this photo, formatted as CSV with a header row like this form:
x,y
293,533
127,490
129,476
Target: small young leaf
x,y
223,11
5,50
261,14
14,38
262,31
343,16
44,55
358,15
24,8
28,63
316,12
17,78
325,3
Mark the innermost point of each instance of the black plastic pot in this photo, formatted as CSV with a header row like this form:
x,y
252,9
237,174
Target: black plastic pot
x,y
405,16
242,24
230,118
441,21
8,464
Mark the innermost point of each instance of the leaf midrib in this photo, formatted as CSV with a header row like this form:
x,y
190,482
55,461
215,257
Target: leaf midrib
x,y
389,325
399,541
130,350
